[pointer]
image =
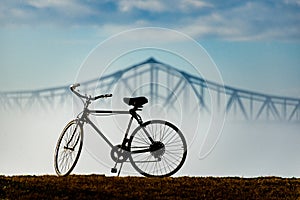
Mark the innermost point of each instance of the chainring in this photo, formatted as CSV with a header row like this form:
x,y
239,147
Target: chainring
x,y
118,154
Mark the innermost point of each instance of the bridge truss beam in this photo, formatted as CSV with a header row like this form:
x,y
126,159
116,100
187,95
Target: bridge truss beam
x,y
176,83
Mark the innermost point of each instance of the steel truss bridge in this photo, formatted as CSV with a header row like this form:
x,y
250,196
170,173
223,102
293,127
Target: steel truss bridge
x,y
247,104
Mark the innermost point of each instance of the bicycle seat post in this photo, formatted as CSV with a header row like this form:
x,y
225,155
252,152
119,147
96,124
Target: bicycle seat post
x,y
135,115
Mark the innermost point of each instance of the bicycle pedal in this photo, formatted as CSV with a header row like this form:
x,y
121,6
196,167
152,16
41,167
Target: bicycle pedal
x,y
114,170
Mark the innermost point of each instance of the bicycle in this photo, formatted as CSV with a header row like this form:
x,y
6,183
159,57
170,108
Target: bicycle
x,y
156,148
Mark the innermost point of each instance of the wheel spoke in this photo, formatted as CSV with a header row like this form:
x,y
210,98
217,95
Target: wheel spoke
x,y
68,149
168,150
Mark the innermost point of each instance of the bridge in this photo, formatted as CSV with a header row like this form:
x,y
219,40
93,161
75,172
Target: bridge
x,y
165,84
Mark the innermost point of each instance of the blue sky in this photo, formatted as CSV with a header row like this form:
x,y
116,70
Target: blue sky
x,y
44,42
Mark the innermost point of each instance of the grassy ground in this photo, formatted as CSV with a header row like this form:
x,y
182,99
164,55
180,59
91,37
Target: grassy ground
x,y
101,187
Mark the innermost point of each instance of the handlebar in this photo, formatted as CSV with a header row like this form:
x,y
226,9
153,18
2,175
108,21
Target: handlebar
x,y
74,86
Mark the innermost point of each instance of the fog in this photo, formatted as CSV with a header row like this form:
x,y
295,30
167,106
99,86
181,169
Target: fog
x,y
243,148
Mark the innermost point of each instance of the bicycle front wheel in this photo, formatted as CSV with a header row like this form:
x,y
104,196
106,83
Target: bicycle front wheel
x,y
161,157
68,148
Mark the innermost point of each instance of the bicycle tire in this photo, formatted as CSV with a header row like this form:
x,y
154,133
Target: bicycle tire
x,y
68,148
167,159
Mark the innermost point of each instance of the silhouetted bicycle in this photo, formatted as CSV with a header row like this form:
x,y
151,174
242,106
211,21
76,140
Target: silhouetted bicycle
x,y
155,148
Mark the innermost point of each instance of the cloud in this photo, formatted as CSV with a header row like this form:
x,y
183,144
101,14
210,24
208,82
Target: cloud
x,y
188,5
230,20
43,12
292,2
148,5
162,6
250,21
66,7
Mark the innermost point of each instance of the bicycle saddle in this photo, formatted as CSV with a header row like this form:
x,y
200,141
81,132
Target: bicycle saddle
x,y
136,101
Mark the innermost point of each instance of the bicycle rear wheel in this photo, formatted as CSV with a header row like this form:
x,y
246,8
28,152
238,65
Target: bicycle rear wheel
x,y
162,158
68,148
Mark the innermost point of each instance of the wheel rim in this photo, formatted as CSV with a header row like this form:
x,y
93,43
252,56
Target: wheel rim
x,y
68,149
166,155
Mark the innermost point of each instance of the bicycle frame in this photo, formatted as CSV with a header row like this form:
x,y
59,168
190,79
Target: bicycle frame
x,y
85,119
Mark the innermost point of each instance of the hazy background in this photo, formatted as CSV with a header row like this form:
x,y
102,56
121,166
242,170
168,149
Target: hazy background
x,y
255,45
